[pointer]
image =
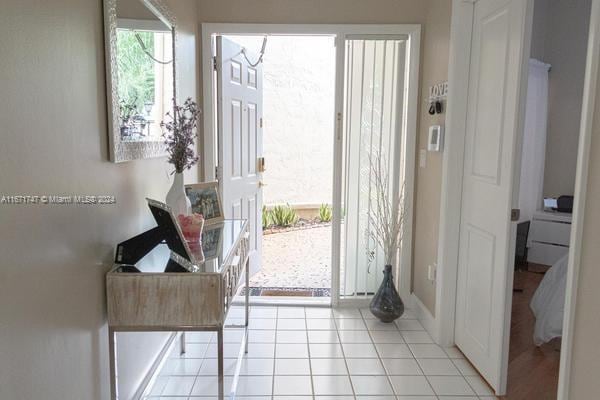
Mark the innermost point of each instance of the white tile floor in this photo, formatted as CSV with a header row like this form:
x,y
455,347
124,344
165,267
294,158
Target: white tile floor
x,y
298,353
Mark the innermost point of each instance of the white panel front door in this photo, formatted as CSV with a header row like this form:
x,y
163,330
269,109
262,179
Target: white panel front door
x,y
486,253
239,107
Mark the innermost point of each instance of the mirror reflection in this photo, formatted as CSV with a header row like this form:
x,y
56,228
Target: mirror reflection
x,y
144,58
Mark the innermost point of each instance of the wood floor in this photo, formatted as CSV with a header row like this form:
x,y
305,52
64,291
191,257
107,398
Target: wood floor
x,y
532,371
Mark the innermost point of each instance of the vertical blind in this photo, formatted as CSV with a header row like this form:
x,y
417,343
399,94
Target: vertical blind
x,y
374,119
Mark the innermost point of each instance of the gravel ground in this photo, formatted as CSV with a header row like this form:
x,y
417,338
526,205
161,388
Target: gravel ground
x,y
296,259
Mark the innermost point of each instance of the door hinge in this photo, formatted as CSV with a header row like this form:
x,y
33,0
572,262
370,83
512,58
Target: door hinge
x,y
515,214
339,126
217,173
261,122
214,62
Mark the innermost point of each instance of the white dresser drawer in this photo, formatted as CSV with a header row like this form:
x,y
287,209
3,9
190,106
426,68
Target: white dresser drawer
x,y
540,253
550,232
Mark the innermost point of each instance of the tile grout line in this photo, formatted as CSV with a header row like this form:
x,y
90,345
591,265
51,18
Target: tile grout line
x,y
454,364
337,332
312,383
413,358
419,364
183,359
379,355
204,354
274,353
461,374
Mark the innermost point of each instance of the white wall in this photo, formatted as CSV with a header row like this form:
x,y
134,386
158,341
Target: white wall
x,y
299,89
53,259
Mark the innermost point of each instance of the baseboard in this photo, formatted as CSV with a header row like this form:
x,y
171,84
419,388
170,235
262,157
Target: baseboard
x,y
148,381
357,302
425,317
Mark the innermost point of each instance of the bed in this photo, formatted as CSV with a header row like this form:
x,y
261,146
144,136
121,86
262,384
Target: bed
x,y
548,303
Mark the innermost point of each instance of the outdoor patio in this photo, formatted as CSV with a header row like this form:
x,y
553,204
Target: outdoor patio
x,y
295,259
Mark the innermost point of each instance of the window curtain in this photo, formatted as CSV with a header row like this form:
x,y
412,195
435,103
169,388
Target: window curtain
x,y
534,140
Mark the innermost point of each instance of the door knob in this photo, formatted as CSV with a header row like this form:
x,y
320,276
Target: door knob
x,y
261,184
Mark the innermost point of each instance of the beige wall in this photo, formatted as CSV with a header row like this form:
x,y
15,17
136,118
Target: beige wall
x,y
313,11
53,336
560,29
434,69
134,9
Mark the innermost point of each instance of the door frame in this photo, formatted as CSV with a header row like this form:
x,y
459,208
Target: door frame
x,y
339,31
448,244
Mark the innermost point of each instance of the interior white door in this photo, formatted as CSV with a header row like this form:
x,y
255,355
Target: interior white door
x,y
486,252
239,108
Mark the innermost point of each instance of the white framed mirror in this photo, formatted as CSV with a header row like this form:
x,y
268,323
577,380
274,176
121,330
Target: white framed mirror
x,y
140,45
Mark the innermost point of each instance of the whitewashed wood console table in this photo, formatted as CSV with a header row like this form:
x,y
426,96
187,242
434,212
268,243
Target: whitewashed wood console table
x,y
143,297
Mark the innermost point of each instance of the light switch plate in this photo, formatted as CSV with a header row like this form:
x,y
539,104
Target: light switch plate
x,y
436,138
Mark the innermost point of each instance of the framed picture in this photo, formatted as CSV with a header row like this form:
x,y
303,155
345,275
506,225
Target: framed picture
x,y
205,200
211,241
172,235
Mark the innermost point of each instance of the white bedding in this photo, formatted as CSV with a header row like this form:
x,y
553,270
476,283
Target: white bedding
x,y
548,303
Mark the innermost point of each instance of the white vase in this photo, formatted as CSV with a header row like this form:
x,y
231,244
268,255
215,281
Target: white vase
x,y
176,197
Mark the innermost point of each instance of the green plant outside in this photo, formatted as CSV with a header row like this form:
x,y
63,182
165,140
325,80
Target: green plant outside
x,y
267,219
325,213
135,70
283,216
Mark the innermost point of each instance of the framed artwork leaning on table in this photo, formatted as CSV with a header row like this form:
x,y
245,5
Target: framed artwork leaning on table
x,y
205,200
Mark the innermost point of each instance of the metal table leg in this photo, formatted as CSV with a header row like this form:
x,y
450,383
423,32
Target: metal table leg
x,y
247,303
220,363
182,343
112,355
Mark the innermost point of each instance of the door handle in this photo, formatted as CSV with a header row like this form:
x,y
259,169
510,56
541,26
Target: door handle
x,y
261,184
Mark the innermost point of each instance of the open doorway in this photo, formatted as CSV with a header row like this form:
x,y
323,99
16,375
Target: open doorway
x,y
489,68
298,93
361,100
553,109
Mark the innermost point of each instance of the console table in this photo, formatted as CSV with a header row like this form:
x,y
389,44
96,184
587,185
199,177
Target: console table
x,y
142,297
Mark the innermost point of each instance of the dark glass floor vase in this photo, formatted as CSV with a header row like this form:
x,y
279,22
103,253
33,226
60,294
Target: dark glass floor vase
x,y
387,305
